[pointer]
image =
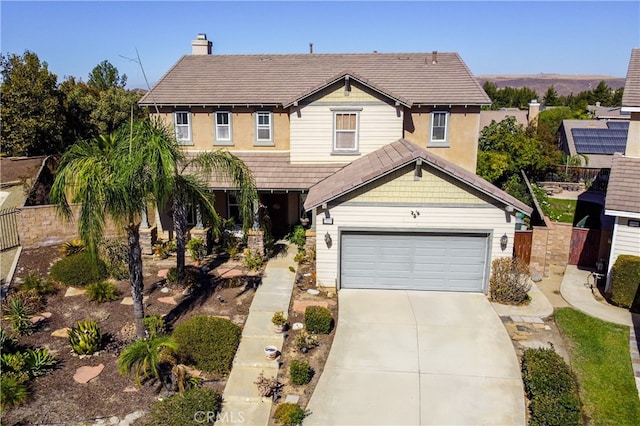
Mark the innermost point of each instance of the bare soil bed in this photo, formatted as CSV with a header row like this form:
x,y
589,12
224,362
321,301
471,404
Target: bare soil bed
x,y
56,398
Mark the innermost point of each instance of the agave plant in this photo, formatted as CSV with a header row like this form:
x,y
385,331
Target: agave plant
x,y
72,247
19,316
145,357
38,283
102,291
39,362
7,343
85,337
13,391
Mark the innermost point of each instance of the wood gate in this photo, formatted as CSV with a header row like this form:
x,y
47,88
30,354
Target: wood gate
x,y
9,236
522,245
584,247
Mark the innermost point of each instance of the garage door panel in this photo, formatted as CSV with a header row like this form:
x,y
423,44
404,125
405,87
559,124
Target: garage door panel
x,y
453,262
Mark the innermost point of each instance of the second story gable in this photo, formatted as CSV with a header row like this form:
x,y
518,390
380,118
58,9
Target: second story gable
x,y
322,108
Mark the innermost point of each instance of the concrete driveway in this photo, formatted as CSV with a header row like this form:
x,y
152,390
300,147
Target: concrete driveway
x,y
412,357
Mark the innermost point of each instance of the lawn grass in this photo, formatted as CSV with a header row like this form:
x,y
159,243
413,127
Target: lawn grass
x,y
601,361
561,210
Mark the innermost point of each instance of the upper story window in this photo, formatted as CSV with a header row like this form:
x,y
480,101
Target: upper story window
x,y
182,120
223,128
345,138
439,128
264,128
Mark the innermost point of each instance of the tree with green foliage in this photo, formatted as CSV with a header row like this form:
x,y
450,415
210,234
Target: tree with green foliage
x,y
505,148
144,358
105,76
550,120
114,107
79,101
551,97
31,110
116,176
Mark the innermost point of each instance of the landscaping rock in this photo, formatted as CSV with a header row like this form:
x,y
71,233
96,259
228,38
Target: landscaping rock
x,y
129,300
36,319
313,291
293,399
87,373
72,291
62,332
297,326
131,389
169,300
164,290
162,273
229,273
301,305
46,314
536,277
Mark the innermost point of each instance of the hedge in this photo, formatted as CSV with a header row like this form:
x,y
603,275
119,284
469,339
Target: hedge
x,y
191,407
79,269
318,320
625,279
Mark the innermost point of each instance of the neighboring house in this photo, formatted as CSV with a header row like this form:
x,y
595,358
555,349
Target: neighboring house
x,y
524,118
623,193
607,113
598,140
378,149
17,175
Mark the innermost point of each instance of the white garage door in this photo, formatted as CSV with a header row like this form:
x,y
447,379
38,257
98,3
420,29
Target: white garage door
x,y
414,261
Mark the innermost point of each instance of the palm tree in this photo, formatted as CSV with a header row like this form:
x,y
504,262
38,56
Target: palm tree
x,y
145,357
191,187
116,176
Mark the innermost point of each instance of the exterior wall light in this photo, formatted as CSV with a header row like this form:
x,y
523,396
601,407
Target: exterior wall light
x,y
503,242
327,239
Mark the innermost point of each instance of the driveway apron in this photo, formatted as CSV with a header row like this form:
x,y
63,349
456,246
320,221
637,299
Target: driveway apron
x,y
417,357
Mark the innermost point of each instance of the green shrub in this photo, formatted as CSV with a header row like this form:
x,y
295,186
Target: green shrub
x,y
253,260
510,281
625,279
305,341
116,254
78,269
72,247
196,248
550,387
298,237
191,276
155,325
8,343
300,256
300,372
18,313
208,342
102,291
38,283
180,409
86,337
13,391
289,414
318,320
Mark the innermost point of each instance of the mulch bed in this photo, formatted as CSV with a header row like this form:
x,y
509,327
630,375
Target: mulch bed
x,y
56,398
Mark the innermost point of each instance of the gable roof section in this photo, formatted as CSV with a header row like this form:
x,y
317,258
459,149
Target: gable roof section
x,y
623,191
392,157
631,94
279,79
274,171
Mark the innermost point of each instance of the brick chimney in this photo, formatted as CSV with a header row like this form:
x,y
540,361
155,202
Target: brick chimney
x,y
201,46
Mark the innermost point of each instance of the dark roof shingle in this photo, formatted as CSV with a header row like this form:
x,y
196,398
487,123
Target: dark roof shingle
x,y
280,79
391,157
623,191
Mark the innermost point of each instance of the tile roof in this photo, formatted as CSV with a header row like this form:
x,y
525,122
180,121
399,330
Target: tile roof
x,y
281,79
623,191
274,171
391,157
631,95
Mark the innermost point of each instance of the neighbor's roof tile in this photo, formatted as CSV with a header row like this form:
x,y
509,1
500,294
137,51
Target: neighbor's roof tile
x,y
623,191
631,95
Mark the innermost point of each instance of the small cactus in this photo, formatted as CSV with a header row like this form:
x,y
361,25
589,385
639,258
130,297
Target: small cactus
x,y
86,337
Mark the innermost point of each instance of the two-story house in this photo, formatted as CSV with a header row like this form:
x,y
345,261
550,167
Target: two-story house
x,y
378,149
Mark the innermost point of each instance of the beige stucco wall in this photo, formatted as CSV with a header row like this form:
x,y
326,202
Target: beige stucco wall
x,y
633,136
450,206
243,124
463,133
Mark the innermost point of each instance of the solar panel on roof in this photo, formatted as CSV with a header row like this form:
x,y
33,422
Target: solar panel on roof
x,y
599,141
618,125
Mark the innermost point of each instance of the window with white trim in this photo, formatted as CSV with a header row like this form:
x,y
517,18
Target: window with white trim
x,y
182,121
345,131
439,128
263,127
223,127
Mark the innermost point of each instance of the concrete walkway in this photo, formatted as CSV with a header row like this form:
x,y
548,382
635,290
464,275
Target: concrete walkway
x,y
579,295
418,357
241,401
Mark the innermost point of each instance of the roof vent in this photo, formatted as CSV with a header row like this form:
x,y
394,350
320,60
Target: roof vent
x,y
434,57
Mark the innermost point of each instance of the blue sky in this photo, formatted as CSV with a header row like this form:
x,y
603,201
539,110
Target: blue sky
x,y
503,37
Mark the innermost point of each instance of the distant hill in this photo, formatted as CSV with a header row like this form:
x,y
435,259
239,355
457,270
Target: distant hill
x,y
563,83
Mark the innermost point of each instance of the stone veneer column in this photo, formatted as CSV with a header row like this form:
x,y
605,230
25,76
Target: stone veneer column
x,y
205,235
148,238
255,241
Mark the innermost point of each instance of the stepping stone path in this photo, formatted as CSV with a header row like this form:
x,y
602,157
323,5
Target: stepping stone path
x,y
62,332
162,273
229,273
130,389
129,300
72,291
168,300
301,305
87,373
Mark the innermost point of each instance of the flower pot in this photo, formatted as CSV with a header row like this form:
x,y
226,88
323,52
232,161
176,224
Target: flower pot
x,y
271,352
278,328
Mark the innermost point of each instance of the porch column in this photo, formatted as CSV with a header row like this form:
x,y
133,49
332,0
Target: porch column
x,y
199,224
